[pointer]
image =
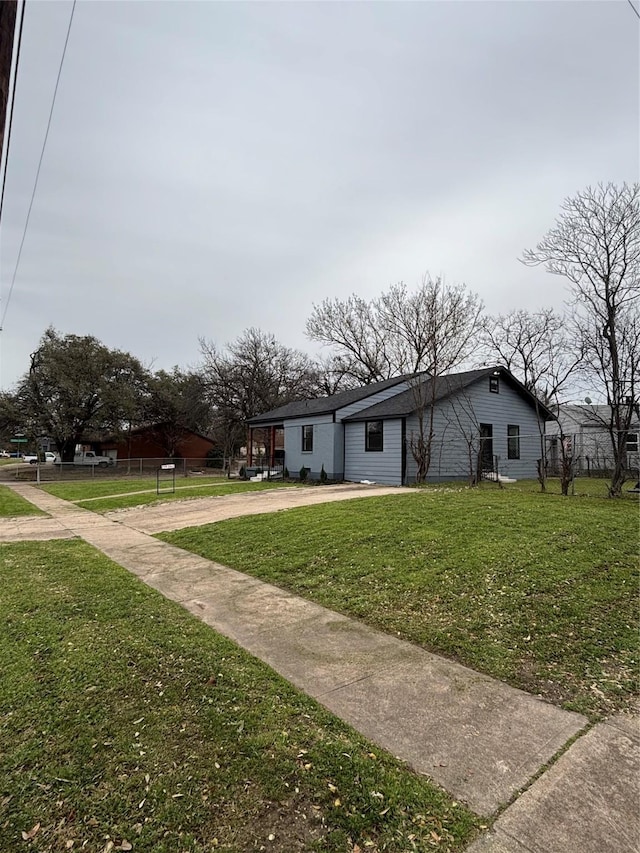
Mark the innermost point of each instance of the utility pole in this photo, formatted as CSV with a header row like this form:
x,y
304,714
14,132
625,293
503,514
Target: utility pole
x,y
8,9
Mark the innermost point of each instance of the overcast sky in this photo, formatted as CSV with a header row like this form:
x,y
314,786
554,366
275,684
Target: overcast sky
x,y
214,166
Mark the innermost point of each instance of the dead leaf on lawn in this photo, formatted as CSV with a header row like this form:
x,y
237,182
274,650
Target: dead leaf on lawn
x,y
125,845
27,836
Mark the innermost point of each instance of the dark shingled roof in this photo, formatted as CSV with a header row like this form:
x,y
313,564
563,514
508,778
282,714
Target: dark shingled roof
x,y
405,403
400,405
324,405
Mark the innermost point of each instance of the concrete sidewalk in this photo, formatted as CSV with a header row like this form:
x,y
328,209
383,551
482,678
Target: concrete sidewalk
x,y
480,739
588,801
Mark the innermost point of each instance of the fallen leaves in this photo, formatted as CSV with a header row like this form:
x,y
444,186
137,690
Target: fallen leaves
x,y
31,834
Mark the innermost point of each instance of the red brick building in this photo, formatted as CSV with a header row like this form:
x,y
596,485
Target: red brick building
x,y
157,442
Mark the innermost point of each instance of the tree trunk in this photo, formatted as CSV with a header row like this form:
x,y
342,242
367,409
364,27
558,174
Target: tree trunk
x,y
618,474
66,449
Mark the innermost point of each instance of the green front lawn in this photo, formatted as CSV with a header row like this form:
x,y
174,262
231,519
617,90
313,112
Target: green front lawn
x,y
538,590
125,723
118,494
581,487
77,490
12,504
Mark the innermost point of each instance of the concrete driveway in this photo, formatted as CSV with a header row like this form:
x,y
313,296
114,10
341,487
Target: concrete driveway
x,y
173,515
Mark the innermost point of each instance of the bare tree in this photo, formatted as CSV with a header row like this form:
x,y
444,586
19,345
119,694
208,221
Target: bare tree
x,y
432,328
334,376
438,325
595,245
251,375
537,348
461,416
352,328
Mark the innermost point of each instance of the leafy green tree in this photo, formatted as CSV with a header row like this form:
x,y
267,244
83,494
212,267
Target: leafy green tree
x,y
76,387
177,401
11,419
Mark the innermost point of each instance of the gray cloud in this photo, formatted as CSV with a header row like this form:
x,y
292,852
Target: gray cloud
x,y
216,165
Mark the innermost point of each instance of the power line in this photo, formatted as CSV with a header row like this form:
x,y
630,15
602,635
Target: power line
x,y
637,14
35,184
11,105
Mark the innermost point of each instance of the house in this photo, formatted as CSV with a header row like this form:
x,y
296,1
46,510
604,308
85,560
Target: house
x,y
587,439
482,419
156,441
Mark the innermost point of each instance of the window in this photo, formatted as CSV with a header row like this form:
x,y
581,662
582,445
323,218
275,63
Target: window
x,y
632,442
494,385
307,439
513,441
373,433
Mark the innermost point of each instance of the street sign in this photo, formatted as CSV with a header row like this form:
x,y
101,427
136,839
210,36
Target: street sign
x,y
167,467
18,440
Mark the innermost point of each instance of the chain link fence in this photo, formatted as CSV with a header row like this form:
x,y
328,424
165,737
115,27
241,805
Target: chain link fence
x,y
118,468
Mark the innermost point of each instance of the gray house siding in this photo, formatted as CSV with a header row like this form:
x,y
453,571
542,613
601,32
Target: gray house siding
x,y
378,397
382,466
339,446
328,438
325,442
456,427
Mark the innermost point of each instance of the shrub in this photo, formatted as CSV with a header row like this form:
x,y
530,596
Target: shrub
x,y
242,473
215,459
303,473
323,474
285,473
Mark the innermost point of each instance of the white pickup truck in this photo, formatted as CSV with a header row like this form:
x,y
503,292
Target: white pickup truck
x,y
32,458
88,457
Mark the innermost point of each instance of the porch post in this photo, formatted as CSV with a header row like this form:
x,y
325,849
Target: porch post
x,y
250,448
273,447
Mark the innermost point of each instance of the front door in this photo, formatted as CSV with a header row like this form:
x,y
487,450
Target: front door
x,y
486,447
